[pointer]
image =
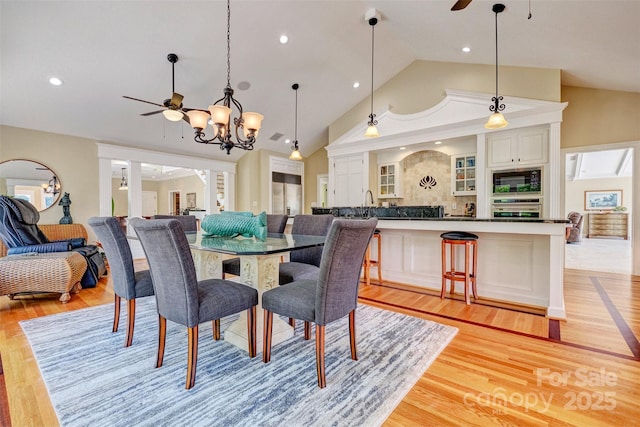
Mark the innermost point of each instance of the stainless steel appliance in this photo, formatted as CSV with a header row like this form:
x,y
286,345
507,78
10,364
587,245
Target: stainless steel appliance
x,y
286,193
516,208
517,181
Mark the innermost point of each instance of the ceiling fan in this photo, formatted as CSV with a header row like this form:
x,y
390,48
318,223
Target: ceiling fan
x,y
172,107
461,4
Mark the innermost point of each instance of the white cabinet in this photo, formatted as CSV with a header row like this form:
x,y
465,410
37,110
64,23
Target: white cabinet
x,y
389,180
463,174
518,148
348,175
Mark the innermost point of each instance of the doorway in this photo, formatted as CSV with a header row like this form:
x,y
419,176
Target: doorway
x,y
174,202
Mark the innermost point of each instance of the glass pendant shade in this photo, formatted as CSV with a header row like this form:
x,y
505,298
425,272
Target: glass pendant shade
x,y
173,115
295,155
372,132
496,121
252,121
220,114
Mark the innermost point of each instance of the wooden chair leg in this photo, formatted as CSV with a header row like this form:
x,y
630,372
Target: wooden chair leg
x,y
266,338
307,330
475,266
131,320
467,273
251,326
352,334
116,313
216,329
444,269
379,264
322,381
453,267
162,335
192,356
292,322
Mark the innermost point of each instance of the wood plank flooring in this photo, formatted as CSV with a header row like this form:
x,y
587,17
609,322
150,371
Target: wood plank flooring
x,y
500,369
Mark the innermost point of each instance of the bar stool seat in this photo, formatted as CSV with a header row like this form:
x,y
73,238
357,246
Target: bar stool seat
x,y
377,263
468,276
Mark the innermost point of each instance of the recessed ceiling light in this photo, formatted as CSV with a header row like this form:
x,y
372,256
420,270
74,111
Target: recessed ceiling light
x,y
438,142
466,49
403,148
356,85
284,39
287,141
55,81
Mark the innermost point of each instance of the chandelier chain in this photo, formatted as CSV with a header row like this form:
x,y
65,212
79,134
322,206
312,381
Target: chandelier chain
x,y
228,43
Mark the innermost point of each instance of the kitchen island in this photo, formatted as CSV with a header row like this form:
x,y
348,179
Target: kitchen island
x,y
520,261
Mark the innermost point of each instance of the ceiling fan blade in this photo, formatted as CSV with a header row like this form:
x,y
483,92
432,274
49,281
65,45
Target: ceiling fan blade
x,y
186,118
142,100
151,113
461,4
176,99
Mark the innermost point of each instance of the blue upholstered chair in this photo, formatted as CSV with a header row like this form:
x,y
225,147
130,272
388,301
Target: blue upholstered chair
x,y
275,224
181,298
127,283
332,296
305,263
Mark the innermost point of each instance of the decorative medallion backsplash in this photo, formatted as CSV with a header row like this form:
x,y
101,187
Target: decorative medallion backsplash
x,y
426,181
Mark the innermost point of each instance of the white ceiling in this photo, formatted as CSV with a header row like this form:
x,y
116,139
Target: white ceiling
x,y
599,164
105,49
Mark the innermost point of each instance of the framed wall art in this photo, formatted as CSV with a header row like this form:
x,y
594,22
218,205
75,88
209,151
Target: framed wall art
x,y
602,200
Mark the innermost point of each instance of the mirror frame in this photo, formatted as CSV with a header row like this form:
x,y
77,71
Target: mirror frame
x,y
42,177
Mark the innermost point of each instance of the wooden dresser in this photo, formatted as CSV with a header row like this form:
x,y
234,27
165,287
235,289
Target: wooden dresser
x,y
613,224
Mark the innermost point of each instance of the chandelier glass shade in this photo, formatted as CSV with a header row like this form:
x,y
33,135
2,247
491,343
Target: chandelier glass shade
x,y
123,183
295,152
497,120
245,126
372,130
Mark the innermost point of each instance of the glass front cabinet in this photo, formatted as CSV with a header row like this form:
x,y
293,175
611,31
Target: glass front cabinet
x,y
463,174
389,181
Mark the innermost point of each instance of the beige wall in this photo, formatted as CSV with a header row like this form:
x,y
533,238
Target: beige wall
x,y
189,184
421,85
314,165
73,159
574,191
596,116
248,180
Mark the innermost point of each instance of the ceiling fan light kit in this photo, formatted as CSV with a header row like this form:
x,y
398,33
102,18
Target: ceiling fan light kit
x,y
497,120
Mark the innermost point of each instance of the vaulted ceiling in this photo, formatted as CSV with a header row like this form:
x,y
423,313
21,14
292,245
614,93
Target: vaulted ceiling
x,y
105,49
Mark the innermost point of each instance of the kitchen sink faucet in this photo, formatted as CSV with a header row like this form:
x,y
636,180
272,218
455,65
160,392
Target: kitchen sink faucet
x,y
368,203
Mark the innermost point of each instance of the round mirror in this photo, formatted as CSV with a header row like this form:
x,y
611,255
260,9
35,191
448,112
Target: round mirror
x,y
31,181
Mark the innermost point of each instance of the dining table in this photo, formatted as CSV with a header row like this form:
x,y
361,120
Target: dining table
x,y
259,268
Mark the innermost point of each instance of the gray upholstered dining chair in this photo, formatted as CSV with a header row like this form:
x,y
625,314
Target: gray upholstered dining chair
x,y
275,224
305,263
189,222
127,283
181,298
332,296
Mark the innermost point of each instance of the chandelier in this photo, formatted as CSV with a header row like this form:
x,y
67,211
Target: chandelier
x,y
295,152
496,120
123,182
53,187
245,126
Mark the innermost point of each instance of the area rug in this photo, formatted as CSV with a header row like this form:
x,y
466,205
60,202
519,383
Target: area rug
x,y
94,381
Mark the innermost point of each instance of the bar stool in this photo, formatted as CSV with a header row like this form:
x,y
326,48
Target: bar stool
x,y
368,262
468,276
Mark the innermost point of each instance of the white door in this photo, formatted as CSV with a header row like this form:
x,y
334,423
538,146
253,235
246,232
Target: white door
x,y
149,203
348,172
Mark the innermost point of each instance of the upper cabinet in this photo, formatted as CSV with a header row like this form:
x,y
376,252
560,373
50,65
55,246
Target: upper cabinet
x,y
389,181
349,175
528,147
463,174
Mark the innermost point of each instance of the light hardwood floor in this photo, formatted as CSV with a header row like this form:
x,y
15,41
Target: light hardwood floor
x,y
500,369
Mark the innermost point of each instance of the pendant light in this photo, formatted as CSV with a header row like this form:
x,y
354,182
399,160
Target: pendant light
x,y
123,182
372,130
295,152
496,120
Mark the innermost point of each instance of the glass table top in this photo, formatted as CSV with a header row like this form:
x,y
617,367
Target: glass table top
x,y
275,243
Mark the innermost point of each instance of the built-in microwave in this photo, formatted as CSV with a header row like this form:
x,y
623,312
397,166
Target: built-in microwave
x,y
517,181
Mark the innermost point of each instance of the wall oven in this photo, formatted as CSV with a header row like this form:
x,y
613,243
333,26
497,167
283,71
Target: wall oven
x,y
516,208
517,182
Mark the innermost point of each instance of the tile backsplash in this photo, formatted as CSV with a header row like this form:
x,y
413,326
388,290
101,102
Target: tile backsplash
x,y
433,169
